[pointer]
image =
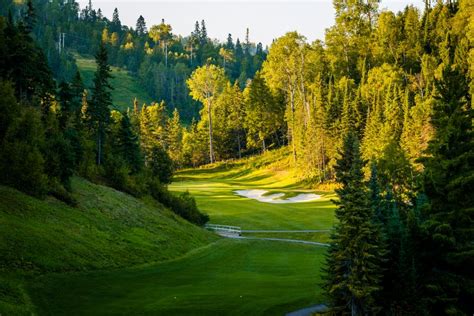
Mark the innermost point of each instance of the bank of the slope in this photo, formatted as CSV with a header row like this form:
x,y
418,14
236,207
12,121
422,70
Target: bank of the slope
x,y
108,229
126,88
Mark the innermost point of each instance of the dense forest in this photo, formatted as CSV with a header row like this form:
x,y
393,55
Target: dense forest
x,y
382,107
159,59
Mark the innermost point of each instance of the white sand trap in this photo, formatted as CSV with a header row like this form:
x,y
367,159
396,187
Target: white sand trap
x,y
276,198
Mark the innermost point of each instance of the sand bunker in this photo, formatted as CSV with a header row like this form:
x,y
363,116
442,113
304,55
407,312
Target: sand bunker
x,y
276,198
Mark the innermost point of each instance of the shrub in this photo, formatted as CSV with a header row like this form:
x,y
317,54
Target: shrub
x,y
183,205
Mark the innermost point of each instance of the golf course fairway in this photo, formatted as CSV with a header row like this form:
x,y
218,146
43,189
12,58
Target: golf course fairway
x,y
225,277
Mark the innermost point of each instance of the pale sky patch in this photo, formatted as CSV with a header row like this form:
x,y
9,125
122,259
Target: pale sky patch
x,y
266,19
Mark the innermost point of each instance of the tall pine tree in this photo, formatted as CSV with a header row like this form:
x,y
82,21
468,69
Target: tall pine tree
x,y
355,256
448,184
99,107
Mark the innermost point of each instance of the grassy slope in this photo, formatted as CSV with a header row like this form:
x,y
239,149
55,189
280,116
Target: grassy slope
x,y
125,87
108,229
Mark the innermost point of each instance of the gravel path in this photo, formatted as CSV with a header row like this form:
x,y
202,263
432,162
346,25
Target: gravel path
x,y
277,239
288,231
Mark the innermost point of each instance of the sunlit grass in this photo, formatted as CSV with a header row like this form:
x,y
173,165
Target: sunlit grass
x,y
126,88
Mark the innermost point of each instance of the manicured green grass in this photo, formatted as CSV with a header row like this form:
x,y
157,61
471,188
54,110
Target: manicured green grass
x,y
230,277
214,186
126,88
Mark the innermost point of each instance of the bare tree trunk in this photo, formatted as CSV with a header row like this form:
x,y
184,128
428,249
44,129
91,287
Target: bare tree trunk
x,y
99,144
292,105
211,149
264,147
238,144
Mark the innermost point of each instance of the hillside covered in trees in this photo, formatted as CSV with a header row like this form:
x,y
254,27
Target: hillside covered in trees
x,y
381,110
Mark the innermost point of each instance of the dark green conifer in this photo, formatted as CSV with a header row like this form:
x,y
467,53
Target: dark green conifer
x,y
354,270
99,107
448,183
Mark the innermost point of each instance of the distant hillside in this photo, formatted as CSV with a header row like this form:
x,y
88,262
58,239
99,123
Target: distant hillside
x,y
108,229
126,88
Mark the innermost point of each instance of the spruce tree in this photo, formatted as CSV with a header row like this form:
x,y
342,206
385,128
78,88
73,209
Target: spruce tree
x,y
128,145
116,25
448,183
99,107
354,274
141,26
203,33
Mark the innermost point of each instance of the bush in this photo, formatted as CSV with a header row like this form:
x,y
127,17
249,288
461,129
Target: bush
x,y
183,205
21,162
115,174
161,165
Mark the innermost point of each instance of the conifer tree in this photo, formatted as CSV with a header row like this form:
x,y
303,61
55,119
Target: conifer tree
x,y
175,137
354,274
101,101
203,33
448,183
128,146
141,26
116,25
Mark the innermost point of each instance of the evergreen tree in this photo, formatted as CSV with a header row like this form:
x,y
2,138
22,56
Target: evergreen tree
x,y
175,137
203,33
29,17
230,43
448,183
116,25
101,101
141,26
354,260
128,145
160,164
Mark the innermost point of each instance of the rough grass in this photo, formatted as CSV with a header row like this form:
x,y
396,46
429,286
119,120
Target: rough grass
x,y
108,229
126,88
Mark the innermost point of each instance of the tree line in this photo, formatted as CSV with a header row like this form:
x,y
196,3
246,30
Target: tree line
x,y
159,59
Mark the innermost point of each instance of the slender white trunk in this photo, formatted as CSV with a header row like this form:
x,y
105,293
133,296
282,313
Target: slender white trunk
x,y
211,149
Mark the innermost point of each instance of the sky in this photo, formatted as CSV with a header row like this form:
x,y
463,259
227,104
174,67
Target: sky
x,y
266,19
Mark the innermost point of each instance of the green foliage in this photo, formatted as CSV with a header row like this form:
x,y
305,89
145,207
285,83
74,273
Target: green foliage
x,y
160,165
205,84
448,178
263,114
354,263
183,204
